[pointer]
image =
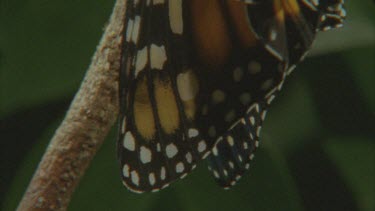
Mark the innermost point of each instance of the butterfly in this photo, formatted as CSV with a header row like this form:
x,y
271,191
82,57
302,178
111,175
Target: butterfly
x,y
197,78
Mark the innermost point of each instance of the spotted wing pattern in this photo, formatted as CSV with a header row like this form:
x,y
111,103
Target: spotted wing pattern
x,y
233,151
196,78
158,141
287,30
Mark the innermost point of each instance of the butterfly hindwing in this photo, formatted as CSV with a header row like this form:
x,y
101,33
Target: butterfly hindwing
x,y
286,30
233,151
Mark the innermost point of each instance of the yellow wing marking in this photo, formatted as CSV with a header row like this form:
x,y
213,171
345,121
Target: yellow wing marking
x,y
166,105
290,7
143,115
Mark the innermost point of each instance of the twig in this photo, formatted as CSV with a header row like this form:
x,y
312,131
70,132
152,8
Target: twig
x,y
88,121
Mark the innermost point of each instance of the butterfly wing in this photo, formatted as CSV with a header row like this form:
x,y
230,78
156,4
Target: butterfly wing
x,y
252,77
286,30
158,141
194,72
186,78
233,151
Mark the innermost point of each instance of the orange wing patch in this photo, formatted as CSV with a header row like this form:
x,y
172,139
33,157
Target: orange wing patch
x,y
166,105
143,115
210,32
279,10
291,7
239,15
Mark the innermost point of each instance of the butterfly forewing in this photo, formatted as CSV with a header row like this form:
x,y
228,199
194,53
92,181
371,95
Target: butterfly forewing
x,y
158,141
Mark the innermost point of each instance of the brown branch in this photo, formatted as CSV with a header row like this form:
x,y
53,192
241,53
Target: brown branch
x,y
88,121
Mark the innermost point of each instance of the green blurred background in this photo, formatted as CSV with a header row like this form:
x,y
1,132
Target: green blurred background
x,y
317,150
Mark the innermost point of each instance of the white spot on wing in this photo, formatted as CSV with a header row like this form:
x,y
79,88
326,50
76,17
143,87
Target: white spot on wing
x,y
125,170
202,146
151,178
214,151
231,164
270,99
176,21
187,86
254,67
129,142
247,166
273,35
230,116
135,178
171,150
218,96
245,145
193,133
230,141
180,167
252,120
141,60
158,148
245,98
267,84
145,155
157,56
189,157
129,30
123,126
136,28
162,173
216,175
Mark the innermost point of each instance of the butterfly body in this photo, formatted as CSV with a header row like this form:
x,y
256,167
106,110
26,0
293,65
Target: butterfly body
x,y
197,78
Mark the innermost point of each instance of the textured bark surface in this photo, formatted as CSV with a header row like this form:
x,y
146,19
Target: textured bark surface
x,y
87,123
